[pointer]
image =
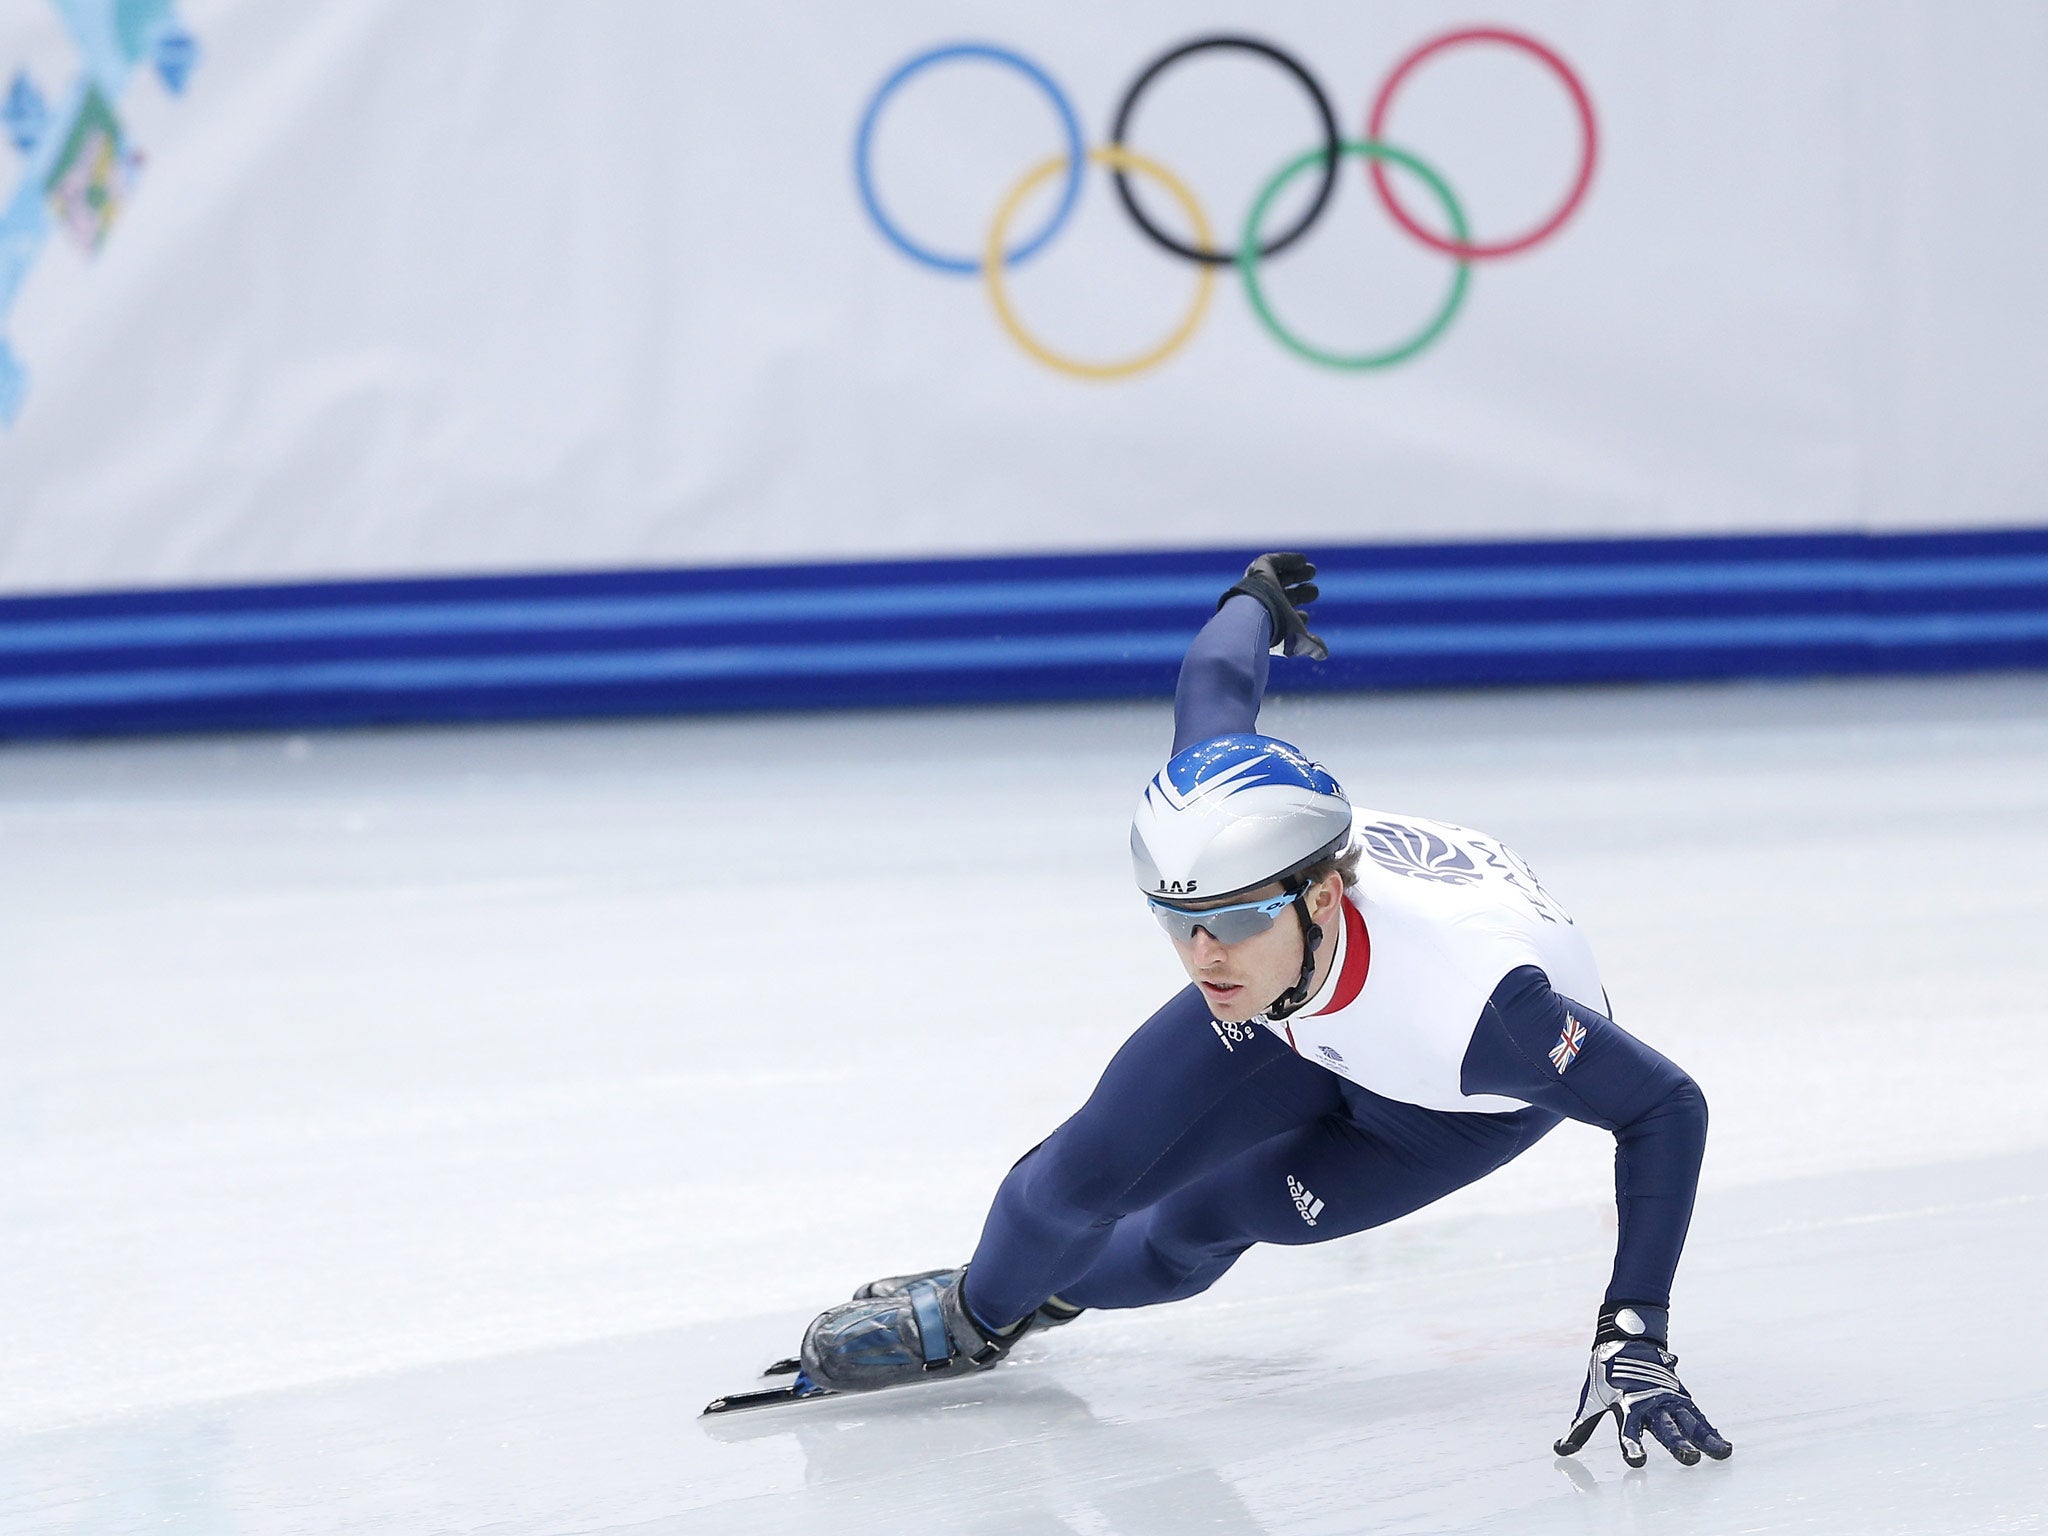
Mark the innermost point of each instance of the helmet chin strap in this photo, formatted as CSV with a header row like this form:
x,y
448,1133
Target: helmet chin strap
x,y
1311,940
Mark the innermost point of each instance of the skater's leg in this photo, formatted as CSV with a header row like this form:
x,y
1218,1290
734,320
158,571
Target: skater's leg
x,y
1341,1175
1183,1096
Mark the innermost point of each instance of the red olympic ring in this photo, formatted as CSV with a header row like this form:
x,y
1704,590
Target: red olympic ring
x,y
1590,135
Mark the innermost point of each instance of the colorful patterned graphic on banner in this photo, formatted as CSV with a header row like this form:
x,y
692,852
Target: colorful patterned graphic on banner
x,y
79,167
1256,243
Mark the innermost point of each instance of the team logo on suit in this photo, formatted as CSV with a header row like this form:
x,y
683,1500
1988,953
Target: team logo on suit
x,y
1569,1043
1418,853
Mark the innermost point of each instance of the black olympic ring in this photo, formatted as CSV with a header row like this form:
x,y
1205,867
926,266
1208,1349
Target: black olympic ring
x,y
1331,142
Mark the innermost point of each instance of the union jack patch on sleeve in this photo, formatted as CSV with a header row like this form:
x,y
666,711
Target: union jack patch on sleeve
x,y
1569,1042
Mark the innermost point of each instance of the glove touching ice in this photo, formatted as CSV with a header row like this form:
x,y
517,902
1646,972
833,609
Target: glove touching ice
x,y
1634,1377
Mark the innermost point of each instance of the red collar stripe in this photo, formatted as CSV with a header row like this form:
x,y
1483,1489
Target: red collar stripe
x,y
1357,961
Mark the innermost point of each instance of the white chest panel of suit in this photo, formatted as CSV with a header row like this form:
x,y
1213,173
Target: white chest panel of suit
x,y
1439,914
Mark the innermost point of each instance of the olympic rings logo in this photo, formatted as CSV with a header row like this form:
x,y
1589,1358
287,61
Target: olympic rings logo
x,y
1004,249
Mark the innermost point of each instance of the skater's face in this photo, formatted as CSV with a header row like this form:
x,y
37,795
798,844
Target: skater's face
x,y
1240,981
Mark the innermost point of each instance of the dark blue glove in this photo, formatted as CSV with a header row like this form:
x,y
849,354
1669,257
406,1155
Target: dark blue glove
x,y
1634,1377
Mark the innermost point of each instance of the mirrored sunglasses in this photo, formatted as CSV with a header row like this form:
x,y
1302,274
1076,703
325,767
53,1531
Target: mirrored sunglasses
x,y
1226,925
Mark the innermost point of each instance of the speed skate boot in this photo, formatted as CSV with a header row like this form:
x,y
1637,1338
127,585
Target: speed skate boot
x,y
890,1339
1051,1312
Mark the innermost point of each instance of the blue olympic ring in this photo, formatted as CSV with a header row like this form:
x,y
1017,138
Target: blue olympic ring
x,y
1077,157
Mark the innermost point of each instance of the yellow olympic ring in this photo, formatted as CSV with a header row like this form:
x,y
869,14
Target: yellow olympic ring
x,y
1117,158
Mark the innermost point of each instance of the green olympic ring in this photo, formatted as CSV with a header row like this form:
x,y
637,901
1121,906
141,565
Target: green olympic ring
x,y
1248,258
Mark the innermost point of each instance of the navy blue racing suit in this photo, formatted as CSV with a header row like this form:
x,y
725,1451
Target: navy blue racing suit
x,y
1194,1145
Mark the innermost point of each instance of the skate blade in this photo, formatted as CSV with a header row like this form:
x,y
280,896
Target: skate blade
x,y
738,1402
788,1366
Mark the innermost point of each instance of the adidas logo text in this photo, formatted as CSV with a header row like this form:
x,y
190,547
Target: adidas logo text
x,y
1304,1202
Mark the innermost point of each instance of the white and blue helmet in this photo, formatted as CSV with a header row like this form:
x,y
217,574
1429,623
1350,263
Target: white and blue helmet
x,y
1233,813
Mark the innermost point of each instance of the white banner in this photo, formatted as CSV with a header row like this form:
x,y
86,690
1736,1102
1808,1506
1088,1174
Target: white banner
x,y
383,287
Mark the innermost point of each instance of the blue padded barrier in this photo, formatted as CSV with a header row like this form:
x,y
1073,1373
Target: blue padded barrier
x,y
1032,627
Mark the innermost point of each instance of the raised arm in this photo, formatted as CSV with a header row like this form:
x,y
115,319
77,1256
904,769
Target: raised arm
x,y
1223,679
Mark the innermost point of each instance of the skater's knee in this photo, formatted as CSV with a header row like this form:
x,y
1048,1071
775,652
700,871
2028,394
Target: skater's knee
x,y
1194,1264
1085,1180
1148,1262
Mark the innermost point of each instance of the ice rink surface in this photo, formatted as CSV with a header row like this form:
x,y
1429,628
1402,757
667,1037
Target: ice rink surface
x,y
410,1131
